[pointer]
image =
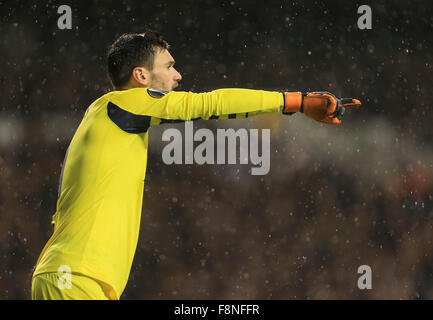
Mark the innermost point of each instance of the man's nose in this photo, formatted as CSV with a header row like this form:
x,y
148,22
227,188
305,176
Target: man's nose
x,y
177,76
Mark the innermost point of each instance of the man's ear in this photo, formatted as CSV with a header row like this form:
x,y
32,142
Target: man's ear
x,y
141,76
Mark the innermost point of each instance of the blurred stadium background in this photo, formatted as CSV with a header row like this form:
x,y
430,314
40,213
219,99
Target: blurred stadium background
x,y
335,197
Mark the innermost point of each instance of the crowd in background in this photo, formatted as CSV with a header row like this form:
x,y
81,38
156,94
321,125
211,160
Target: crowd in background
x,y
335,198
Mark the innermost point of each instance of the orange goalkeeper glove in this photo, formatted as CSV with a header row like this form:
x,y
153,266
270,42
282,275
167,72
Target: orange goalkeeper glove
x,y
320,106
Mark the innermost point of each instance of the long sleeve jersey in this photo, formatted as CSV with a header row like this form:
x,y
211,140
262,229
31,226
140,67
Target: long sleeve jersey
x,y
98,210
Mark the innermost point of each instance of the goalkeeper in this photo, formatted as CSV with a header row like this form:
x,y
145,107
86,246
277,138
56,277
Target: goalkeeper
x,y
97,218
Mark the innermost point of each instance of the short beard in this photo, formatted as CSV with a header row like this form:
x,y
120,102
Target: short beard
x,y
157,84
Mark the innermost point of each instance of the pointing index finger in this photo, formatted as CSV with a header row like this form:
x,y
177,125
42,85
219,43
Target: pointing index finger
x,y
350,102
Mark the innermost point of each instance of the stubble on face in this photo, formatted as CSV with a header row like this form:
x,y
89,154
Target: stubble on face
x,y
160,79
156,82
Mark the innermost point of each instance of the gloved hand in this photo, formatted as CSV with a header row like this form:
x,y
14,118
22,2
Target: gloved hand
x,y
320,106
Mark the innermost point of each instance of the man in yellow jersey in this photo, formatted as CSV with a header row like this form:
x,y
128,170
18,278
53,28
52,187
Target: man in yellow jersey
x,y
97,218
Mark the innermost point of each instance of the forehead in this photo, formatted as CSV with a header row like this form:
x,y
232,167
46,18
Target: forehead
x,y
162,56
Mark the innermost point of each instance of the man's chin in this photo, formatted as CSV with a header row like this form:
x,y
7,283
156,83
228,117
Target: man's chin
x,y
160,88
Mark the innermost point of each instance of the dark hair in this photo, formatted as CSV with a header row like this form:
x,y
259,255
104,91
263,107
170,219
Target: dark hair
x,y
132,50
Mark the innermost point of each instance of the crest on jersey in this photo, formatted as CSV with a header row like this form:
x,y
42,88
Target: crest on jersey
x,y
156,93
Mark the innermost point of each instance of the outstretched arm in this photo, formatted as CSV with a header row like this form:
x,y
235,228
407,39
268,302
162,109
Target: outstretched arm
x,y
181,105
137,109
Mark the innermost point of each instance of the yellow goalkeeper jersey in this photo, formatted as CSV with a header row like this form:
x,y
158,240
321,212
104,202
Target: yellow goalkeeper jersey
x,y
97,218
